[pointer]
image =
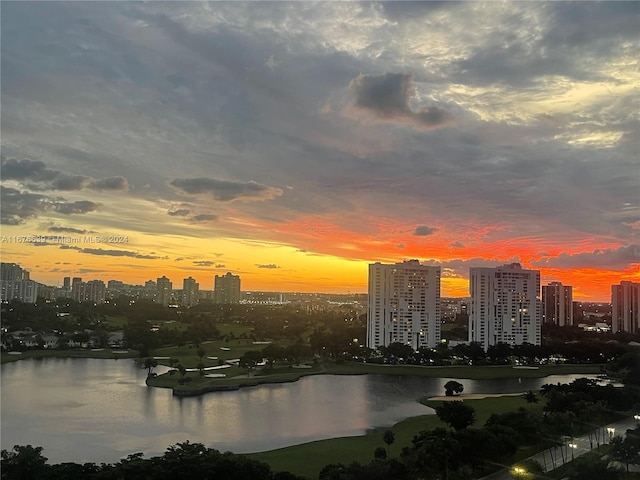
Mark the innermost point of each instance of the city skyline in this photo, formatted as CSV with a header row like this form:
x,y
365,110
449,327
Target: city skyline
x,y
295,143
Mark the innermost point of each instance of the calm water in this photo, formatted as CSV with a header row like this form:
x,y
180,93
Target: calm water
x,y
90,410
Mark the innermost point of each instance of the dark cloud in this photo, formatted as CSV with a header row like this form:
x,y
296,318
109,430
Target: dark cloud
x,y
601,23
38,177
387,97
224,190
81,206
457,244
182,212
203,263
69,182
571,39
618,259
220,265
401,246
268,265
12,169
110,253
111,183
203,217
67,230
423,230
17,206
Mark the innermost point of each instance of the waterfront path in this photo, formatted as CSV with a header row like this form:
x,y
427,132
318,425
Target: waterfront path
x,y
556,457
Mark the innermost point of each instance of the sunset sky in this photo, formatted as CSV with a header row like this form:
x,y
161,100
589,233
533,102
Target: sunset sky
x,y
295,143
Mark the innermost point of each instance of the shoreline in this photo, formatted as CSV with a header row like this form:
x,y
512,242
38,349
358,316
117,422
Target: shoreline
x,y
100,354
485,372
288,374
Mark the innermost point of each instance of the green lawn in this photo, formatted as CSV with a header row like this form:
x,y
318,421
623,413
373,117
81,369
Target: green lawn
x,y
308,459
118,322
237,330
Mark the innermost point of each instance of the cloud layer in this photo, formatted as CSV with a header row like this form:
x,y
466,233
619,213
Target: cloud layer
x,y
295,133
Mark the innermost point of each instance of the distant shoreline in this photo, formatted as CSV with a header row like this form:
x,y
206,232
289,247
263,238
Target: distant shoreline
x,y
485,372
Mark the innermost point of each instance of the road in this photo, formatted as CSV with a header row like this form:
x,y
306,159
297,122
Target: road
x,y
553,458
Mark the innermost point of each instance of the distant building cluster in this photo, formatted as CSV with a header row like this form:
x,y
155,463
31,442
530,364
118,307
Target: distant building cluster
x,y
403,301
15,283
404,305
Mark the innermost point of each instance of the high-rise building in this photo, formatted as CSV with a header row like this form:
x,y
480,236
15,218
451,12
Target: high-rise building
x,y
164,291
625,307
403,305
557,304
227,288
12,272
66,283
190,296
505,305
78,289
94,291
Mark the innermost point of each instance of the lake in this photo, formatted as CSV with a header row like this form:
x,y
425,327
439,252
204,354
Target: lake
x,y
92,410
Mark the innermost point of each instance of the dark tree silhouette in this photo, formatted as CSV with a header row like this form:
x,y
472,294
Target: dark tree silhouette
x,y
150,363
456,414
453,388
388,437
380,453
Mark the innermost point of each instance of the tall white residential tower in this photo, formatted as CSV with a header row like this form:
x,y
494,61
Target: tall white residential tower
x,y
403,305
625,307
505,305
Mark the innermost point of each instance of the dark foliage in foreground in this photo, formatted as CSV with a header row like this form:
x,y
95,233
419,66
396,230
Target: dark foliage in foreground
x,y
183,461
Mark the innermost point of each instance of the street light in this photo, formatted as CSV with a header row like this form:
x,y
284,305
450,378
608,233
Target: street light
x,y
518,472
637,418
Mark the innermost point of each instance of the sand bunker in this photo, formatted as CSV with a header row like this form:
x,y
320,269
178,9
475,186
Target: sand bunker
x,y
475,396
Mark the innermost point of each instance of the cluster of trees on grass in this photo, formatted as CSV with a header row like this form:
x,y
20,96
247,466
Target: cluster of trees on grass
x,y
182,461
599,350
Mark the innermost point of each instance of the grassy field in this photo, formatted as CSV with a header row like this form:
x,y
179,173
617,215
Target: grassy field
x,y
308,459
234,328
116,322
